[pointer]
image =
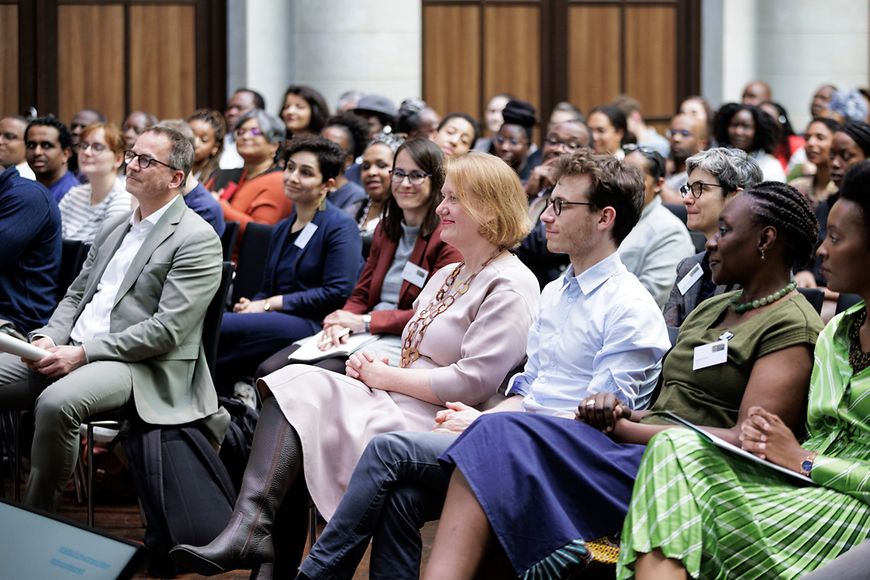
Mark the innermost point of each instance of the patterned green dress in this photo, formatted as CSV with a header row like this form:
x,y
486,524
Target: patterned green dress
x,y
725,517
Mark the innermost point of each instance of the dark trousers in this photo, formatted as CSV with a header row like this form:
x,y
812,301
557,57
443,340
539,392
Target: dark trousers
x,y
397,486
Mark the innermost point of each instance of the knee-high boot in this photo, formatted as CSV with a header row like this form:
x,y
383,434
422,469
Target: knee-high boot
x,y
289,532
272,468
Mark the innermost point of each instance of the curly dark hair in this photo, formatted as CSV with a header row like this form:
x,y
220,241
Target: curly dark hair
x,y
854,188
357,130
766,130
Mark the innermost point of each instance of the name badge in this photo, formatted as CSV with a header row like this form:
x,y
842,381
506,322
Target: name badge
x,y
414,274
305,235
689,279
708,355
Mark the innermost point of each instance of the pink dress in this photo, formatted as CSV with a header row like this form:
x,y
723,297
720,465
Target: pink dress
x,y
468,349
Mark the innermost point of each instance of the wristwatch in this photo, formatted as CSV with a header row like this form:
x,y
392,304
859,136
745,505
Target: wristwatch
x,y
367,322
267,306
807,464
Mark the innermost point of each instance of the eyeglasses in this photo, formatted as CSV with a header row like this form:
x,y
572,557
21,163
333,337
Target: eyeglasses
x,y
569,145
642,149
253,132
144,160
96,147
697,188
558,204
674,132
414,178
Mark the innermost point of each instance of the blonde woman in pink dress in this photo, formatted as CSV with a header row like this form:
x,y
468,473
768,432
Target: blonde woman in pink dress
x,y
468,331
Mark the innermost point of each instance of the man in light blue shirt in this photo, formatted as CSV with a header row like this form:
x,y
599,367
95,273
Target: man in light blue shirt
x,y
597,330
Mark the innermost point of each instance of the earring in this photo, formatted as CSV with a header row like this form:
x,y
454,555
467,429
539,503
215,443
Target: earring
x,y
763,257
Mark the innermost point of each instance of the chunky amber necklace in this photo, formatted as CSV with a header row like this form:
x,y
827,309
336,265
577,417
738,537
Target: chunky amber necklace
x,y
444,298
741,307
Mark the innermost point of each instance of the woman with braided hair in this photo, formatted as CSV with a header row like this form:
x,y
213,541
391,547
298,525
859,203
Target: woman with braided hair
x,y
561,482
702,513
468,331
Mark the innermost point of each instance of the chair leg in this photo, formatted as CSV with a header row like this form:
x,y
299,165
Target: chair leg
x,y
312,524
16,444
90,478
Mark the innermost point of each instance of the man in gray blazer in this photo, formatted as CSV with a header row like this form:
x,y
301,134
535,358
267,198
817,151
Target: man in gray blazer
x,y
129,330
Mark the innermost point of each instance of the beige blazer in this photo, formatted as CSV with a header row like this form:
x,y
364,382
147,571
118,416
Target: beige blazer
x,y
156,322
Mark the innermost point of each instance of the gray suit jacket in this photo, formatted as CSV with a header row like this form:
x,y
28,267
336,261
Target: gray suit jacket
x,y
156,322
679,305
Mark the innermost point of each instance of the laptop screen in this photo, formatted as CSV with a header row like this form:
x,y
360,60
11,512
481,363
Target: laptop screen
x,y
33,545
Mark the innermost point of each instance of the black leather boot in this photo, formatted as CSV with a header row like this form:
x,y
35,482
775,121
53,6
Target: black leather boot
x,y
272,468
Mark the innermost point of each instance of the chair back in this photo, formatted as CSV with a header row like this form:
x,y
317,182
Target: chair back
x,y
228,239
846,301
815,296
252,260
72,257
698,240
211,326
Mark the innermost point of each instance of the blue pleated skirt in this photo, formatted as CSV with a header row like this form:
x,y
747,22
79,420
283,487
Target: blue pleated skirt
x,y
545,484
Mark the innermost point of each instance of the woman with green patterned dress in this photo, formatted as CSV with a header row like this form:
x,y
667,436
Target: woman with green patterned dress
x,y
699,512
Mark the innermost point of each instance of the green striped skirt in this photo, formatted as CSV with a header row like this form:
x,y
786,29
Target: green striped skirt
x,y
725,517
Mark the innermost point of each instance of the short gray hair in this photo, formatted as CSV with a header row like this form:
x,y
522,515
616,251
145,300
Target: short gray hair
x,y
181,153
732,167
179,125
272,127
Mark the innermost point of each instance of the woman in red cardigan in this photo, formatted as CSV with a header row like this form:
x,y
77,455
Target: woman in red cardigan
x,y
406,250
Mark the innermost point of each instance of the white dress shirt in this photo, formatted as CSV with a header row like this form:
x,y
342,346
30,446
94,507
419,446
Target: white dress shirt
x,y
597,332
95,318
230,158
25,171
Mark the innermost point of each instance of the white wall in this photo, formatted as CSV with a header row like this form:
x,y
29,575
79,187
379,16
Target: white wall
x,y
794,45
332,45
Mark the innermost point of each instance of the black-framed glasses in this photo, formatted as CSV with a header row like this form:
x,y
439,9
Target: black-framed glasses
x,y
414,177
144,160
697,188
558,204
569,145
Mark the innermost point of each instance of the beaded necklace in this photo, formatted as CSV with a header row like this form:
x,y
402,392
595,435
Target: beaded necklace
x,y
858,359
444,298
741,307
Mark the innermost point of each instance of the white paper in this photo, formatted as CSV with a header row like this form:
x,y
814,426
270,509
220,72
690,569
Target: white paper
x,y
308,350
20,348
414,274
722,444
305,235
708,355
689,279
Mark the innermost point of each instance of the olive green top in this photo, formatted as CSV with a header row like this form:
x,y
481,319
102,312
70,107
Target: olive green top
x,y
712,396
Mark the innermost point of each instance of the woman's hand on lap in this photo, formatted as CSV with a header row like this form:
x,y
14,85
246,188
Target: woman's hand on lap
x,y
364,367
765,435
455,418
602,411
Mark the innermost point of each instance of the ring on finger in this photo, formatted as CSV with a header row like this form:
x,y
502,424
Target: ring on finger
x,y
590,403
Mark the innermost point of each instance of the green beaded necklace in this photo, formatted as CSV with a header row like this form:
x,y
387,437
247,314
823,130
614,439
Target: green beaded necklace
x,y
740,308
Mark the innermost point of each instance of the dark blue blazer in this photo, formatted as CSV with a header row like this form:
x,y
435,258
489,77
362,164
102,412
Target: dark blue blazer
x,y
322,274
31,248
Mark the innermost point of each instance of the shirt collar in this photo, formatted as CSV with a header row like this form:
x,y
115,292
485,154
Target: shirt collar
x,y
152,219
595,275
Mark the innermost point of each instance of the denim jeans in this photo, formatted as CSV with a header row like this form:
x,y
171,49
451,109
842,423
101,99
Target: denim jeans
x,y
397,486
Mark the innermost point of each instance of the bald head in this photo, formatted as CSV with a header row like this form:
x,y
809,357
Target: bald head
x,y
756,93
687,135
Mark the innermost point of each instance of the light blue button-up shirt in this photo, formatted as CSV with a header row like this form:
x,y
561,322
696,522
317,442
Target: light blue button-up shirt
x,y
597,332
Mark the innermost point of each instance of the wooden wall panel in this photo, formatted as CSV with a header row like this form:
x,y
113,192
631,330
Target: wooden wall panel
x,y
90,59
512,52
162,60
9,88
651,58
451,69
593,55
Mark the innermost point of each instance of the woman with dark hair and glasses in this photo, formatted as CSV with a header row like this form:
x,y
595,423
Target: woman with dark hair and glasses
x,y
660,240
406,250
748,128
715,177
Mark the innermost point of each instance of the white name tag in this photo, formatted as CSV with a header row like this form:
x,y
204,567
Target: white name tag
x,y
708,355
689,279
305,235
414,274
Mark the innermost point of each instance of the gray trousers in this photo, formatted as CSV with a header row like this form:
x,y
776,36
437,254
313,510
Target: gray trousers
x,y
397,486
59,407
853,565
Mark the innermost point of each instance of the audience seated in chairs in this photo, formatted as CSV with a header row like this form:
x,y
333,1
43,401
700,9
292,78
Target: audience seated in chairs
x,y
587,338
406,251
715,177
585,469
375,175
312,264
715,514
209,128
85,208
351,134
467,332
